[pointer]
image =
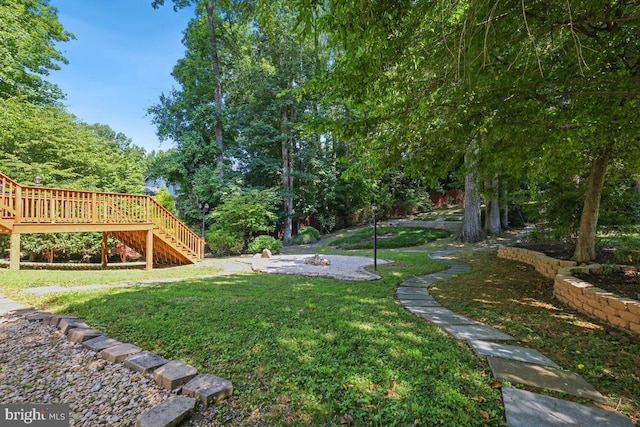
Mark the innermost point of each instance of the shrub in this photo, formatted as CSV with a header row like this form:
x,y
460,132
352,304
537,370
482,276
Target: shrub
x,y
224,243
307,235
265,242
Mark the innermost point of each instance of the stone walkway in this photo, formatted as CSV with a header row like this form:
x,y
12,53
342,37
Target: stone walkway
x,y
518,365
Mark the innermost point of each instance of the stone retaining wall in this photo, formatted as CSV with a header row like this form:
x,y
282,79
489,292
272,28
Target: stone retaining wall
x,y
619,312
543,264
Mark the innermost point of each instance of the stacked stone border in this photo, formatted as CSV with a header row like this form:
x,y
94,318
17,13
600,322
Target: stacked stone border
x,y
616,311
187,386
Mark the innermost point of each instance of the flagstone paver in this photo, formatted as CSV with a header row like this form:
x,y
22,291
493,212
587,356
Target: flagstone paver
x,y
476,332
542,377
417,303
523,354
444,316
527,409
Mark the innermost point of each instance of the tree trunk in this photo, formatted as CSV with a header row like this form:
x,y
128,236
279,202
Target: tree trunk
x,y
287,178
217,97
471,224
492,216
586,244
504,207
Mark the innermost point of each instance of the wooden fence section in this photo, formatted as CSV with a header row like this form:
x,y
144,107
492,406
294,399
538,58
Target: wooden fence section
x,y
27,209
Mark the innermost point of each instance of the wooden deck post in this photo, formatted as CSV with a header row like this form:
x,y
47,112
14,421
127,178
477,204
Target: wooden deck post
x,y
149,252
18,205
14,251
104,247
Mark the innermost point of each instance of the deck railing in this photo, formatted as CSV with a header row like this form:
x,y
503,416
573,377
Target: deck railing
x,y
41,205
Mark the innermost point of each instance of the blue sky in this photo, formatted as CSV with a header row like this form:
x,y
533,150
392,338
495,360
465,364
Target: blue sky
x,y
120,62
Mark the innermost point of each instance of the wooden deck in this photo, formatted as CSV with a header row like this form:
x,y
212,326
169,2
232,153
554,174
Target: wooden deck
x,y
137,221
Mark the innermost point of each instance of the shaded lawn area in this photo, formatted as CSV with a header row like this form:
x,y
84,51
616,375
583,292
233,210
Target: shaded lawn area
x,y
514,297
389,237
304,351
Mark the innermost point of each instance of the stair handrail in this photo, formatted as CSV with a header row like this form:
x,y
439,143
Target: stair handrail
x,y
176,229
8,189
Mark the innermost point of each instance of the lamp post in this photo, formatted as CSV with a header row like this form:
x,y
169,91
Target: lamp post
x,y
204,207
37,180
374,207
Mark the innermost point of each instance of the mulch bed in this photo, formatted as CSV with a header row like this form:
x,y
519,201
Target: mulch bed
x,y
625,284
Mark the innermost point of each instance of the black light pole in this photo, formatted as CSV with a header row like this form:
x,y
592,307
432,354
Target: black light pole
x,y
204,207
374,207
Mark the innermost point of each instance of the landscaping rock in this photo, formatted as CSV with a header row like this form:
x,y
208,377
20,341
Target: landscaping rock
x,y
55,319
208,388
67,323
81,335
145,362
167,414
174,374
100,343
41,365
119,352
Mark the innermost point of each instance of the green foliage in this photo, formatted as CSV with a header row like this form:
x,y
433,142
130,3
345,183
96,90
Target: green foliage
x,y
390,237
260,243
246,213
222,242
307,235
29,33
62,246
51,143
165,199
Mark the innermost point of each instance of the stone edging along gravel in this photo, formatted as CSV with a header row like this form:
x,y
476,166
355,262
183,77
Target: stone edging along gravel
x,y
45,358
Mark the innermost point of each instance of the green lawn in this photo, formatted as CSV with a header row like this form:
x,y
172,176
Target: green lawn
x,y
304,351
314,351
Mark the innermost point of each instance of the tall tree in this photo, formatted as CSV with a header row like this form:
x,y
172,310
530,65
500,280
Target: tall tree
x,y
215,11
554,84
28,35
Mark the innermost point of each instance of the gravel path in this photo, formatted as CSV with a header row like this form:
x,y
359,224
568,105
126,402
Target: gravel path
x,y
39,365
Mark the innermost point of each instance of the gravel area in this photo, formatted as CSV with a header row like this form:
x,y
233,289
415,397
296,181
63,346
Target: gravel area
x,y
340,266
38,365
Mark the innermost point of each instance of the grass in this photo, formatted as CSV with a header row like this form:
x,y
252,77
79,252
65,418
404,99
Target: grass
x,y
390,237
12,282
309,351
514,297
304,351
